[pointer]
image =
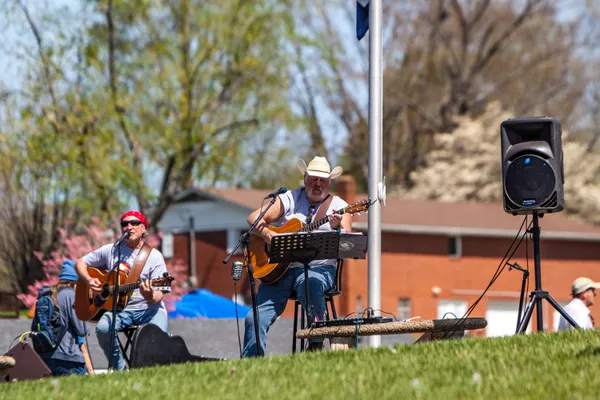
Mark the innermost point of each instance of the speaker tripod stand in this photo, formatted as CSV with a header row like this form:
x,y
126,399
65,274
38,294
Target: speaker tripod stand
x,y
538,294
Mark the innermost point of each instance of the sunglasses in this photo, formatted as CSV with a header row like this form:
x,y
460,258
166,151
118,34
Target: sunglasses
x,y
135,222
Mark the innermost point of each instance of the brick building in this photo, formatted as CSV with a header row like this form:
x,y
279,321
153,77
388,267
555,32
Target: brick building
x,y
435,257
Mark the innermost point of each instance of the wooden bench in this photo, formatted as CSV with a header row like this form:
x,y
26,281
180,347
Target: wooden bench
x,y
9,305
344,336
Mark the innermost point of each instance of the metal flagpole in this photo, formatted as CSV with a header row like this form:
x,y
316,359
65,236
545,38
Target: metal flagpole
x,y
375,159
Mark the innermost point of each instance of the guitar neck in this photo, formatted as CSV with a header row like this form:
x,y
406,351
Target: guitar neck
x,y
315,224
128,287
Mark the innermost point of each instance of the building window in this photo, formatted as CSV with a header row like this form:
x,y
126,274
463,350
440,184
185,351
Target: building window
x,y
451,308
359,307
166,245
233,237
403,309
455,246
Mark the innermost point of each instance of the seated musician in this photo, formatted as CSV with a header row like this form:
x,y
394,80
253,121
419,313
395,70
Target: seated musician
x,y
145,305
304,204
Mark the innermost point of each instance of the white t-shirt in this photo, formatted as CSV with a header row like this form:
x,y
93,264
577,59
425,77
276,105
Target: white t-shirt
x,y
296,205
104,259
580,314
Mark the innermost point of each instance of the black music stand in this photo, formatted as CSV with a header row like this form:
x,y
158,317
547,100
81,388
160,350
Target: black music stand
x,y
303,248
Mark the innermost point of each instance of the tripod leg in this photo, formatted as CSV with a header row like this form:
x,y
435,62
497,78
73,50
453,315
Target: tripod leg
x,y
562,312
522,327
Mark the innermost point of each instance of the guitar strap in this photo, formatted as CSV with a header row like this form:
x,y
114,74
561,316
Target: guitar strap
x,y
138,264
323,208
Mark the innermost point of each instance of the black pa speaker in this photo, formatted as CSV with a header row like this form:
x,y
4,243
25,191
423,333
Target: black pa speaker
x,y
532,165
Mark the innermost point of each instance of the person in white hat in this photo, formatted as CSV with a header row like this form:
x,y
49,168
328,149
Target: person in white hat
x,y
308,203
583,292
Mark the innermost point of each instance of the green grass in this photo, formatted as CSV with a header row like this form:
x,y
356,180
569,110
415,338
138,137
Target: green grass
x,y
11,314
547,366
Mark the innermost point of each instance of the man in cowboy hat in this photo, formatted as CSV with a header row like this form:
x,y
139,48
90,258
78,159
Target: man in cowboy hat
x,y
583,291
145,305
302,203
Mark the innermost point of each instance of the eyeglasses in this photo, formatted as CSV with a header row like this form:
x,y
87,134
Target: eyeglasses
x,y
134,222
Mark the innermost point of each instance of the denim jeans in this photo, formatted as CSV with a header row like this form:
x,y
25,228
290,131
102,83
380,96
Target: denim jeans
x,y
272,299
156,316
62,367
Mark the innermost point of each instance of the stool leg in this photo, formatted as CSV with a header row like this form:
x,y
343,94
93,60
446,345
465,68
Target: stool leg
x,y
333,310
296,304
302,325
129,335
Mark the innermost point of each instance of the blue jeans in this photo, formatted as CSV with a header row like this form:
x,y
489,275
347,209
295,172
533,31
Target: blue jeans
x,y
272,299
61,367
156,316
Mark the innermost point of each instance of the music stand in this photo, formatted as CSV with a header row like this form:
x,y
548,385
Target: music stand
x,y
304,247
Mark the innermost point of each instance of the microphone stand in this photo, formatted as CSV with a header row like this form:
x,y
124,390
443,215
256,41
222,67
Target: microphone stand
x,y
245,242
522,296
113,324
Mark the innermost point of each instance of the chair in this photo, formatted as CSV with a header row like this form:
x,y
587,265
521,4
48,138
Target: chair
x,y
329,301
129,333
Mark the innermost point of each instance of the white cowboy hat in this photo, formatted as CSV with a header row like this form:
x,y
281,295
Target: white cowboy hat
x,y
319,167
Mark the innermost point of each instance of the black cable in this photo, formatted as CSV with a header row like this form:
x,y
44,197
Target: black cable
x,y
386,313
13,342
527,266
497,274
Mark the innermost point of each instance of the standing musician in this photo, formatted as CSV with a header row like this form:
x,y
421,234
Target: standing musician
x,y
145,305
302,203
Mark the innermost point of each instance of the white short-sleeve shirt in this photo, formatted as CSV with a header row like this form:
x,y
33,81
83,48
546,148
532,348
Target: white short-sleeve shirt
x,y
580,314
296,205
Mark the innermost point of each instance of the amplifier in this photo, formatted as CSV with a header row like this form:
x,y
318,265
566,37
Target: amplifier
x,y
28,365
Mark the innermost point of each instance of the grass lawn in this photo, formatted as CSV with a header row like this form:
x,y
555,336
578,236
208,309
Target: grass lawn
x,y
562,365
11,314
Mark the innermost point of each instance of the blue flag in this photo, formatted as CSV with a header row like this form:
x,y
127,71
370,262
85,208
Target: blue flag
x,y
362,18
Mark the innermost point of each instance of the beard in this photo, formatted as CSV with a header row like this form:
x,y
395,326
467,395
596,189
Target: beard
x,y
315,194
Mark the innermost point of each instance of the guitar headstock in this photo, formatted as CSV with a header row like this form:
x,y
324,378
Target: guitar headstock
x,y
162,283
356,208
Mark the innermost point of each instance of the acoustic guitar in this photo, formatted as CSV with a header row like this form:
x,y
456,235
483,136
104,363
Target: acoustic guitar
x,y
89,302
259,251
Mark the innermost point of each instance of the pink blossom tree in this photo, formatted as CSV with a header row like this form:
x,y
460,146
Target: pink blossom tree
x,y
75,245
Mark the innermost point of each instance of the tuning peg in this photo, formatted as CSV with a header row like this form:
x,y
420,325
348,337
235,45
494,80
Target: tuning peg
x,y
358,214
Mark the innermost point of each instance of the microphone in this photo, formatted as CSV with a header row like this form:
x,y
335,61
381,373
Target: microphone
x,y
516,266
276,193
123,237
236,270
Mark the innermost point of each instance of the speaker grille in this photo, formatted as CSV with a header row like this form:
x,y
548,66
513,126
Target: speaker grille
x,y
530,182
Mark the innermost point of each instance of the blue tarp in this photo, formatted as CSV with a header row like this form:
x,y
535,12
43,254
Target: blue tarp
x,y
202,303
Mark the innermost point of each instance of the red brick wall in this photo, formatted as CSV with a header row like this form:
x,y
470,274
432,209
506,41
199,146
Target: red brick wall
x,y
211,273
413,264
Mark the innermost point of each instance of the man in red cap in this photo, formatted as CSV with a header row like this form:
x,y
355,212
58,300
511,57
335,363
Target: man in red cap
x,y
145,305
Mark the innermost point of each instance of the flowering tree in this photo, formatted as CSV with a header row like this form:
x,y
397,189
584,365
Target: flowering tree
x,y
466,166
76,245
